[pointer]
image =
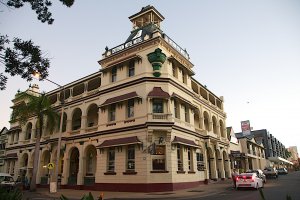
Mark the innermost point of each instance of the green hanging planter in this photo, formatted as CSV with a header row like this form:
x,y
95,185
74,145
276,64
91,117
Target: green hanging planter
x,y
156,74
156,66
157,56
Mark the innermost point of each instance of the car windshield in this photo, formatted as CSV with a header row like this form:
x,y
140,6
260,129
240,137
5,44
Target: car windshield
x,y
6,178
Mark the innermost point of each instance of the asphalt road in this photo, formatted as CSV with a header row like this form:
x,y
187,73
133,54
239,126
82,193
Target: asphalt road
x,y
275,189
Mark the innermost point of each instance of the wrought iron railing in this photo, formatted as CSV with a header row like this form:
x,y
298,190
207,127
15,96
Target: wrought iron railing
x,y
176,46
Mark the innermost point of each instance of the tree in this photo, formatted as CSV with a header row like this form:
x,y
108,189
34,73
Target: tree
x,y
35,106
22,57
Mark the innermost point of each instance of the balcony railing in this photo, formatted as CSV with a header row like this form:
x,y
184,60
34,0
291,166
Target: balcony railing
x,y
176,46
159,116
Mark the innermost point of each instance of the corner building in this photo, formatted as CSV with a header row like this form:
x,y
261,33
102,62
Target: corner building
x,y
141,123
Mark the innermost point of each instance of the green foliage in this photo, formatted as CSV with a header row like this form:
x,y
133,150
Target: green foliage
x,y
41,7
10,195
23,57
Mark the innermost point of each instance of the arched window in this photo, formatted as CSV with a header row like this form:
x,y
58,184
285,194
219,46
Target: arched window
x,y
76,119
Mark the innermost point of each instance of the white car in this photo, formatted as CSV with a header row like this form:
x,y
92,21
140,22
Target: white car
x,y
249,180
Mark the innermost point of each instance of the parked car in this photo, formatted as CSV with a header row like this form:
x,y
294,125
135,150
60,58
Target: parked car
x,y
271,172
249,180
7,181
282,171
259,173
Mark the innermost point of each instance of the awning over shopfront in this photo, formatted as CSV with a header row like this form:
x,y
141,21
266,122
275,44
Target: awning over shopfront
x,y
12,156
120,98
279,160
119,142
179,140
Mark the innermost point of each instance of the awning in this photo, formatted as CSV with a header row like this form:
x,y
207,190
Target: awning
x,y
279,160
120,98
120,142
14,129
174,95
179,140
157,92
12,156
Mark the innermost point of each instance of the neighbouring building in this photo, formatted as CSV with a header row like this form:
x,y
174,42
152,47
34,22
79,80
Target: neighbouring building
x,y
3,141
274,149
141,123
294,155
246,152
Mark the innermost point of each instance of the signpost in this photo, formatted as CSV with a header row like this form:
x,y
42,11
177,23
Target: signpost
x,y
53,187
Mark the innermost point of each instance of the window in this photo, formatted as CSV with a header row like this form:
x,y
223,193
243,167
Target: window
x,y
90,164
17,137
173,70
176,109
179,158
131,68
130,108
111,160
158,164
158,106
130,165
112,112
186,113
190,159
200,161
183,76
114,74
158,161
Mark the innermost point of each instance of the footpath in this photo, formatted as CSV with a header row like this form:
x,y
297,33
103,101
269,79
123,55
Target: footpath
x,y
199,191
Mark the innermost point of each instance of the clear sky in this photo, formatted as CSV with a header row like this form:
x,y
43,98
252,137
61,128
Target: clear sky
x,y
247,51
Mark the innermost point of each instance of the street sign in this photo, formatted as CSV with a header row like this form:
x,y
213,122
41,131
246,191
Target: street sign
x,y
50,165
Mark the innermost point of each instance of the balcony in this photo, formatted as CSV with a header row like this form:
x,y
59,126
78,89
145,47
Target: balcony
x,y
159,117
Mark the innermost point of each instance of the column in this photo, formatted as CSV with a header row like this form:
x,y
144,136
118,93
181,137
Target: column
x,y
83,123
40,168
65,174
210,125
69,125
213,167
81,166
221,168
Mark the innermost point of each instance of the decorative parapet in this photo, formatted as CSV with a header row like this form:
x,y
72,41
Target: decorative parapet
x,y
157,58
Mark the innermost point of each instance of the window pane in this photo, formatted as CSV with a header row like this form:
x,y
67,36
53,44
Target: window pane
x,y
157,106
130,108
158,164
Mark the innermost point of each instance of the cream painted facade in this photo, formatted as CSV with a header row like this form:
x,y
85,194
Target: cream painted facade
x,y
135,125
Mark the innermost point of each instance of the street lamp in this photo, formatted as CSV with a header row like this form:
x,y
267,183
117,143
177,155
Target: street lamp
x,y
37,75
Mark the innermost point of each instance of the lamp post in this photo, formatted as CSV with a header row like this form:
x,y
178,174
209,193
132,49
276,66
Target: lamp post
x,y
37,75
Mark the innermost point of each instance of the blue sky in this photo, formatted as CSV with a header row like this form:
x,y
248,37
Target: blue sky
x,y
246,51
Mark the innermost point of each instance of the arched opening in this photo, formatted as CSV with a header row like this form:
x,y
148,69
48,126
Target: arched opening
x,y
76,119
74,166
78,89
214,121
206,121
43,167
94,84
64,125
23,167
90,165
28,131
92,115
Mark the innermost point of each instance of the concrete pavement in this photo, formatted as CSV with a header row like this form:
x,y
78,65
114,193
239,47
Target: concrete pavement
x,y
199,191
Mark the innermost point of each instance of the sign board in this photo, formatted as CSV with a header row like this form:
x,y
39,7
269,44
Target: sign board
x,y
50,165
245,125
